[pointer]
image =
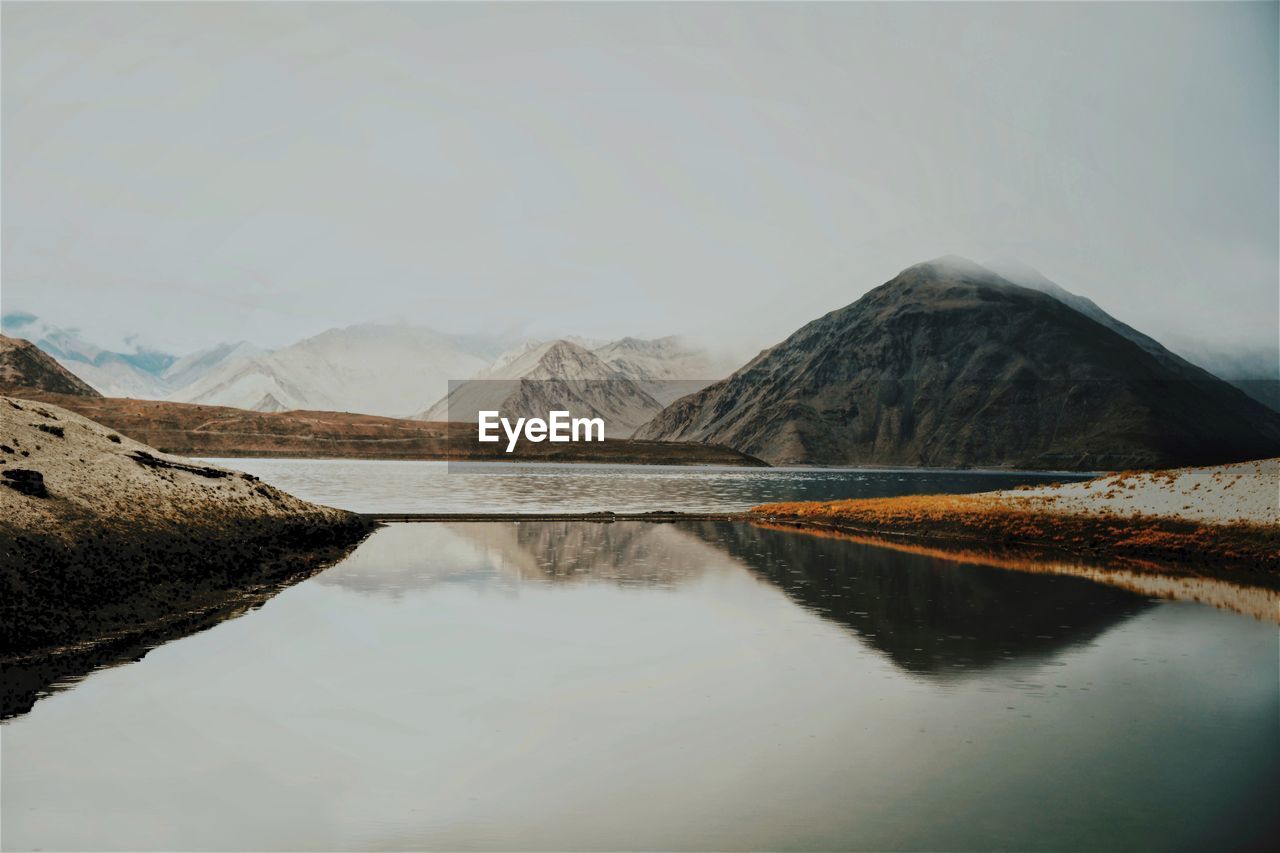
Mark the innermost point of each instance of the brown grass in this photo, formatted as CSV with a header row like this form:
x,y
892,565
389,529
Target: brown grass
x,y
1238,548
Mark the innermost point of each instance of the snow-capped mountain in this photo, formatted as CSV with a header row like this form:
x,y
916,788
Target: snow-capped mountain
x,y
114,374
668,368
191,368
546,376
371,368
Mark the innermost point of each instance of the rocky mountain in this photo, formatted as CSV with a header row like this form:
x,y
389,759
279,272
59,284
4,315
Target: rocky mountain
x,y
23,365
667,368
1255,371
371,368
546,376
143,373
116,374
950,364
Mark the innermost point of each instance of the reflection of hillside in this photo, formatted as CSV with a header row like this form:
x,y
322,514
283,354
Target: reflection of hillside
x,y
399,558
27,680
930,615
627,553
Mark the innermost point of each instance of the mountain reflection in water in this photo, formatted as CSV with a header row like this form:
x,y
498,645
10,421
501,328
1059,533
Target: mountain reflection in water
x,y
928,615
679,686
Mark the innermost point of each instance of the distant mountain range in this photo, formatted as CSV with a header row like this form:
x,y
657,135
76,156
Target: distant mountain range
x,y
625,382
951,364
372,368
24,365
145,374
549,376
382,369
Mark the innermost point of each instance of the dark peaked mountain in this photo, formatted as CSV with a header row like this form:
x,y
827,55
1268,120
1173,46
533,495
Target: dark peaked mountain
x,y
24,365
949,364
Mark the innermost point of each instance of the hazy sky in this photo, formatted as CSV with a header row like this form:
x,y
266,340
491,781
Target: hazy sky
x,y
197,173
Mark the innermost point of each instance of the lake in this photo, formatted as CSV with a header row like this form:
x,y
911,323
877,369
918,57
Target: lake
x,y
462,487
684,686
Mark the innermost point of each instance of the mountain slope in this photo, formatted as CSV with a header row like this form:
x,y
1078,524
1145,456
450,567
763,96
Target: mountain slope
x,y
667,368
949,364
191,368
24,366
370,368
553,375
1255,371
117,374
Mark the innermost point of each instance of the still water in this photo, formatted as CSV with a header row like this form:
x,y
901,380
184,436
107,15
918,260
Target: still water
x,y
461,487
689,686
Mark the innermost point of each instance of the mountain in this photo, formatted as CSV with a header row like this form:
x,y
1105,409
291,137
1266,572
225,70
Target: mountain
x,y
191,368
667,368
24,365
370,368
950,364
116,374
1255,371
546,376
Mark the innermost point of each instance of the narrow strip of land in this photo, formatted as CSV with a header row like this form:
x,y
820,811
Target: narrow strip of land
x,y
660,515
1222,520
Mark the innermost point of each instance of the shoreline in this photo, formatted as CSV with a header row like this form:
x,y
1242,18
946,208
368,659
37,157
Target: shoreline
x,y
1242,554
1220,520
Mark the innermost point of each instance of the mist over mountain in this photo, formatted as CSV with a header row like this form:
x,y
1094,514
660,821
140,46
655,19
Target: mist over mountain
x,y
24,365
950,364
667,368
143,373
1254,370
377,369
115,374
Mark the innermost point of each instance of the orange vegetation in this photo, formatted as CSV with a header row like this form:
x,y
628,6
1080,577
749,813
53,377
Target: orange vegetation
x,y
1249,548
1145,577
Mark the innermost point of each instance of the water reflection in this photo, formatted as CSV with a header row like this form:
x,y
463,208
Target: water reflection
x,y
395,487
25,680
929,615
502,553
663,686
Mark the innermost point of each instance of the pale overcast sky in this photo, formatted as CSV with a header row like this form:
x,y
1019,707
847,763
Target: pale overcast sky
x,y
198,173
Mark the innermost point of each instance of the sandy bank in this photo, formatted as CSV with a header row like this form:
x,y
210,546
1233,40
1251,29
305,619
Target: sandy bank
x,y
1219,520
1246,492
100,534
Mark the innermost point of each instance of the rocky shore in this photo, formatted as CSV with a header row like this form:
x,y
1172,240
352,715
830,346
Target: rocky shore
x,y
1221,520
102,537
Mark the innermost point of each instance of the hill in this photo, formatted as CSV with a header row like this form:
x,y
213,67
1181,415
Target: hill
x,y
23,364
952,365
103,535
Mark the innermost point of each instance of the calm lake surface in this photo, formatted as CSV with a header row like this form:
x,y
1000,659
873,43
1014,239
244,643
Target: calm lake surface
x,y
365,486
687,686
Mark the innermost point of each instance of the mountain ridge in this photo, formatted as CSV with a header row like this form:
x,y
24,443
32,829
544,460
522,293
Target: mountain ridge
x,y
950,364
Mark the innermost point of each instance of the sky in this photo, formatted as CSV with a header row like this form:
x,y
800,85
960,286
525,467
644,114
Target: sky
x,y
190,174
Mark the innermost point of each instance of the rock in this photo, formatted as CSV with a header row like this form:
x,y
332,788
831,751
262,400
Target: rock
x,y
25,482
